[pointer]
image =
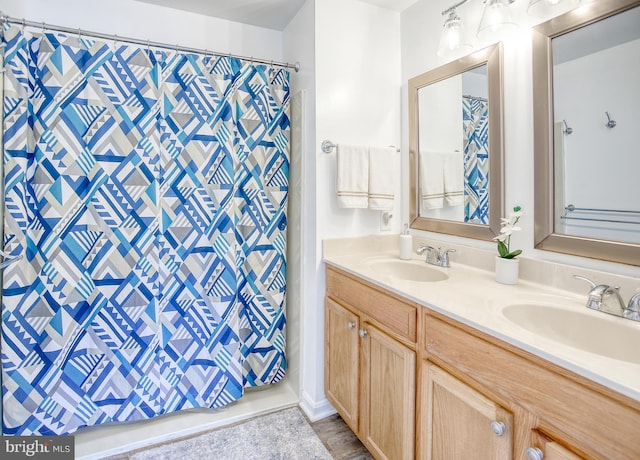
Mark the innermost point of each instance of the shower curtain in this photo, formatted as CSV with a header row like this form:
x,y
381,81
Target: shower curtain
x,y
147,190
475,113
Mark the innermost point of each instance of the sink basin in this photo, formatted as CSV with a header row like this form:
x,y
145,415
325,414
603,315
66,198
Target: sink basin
x,y
604,336
408,270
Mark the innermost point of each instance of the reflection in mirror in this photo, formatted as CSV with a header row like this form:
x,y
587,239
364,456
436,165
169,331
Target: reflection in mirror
x,y
586,99
456,146
597,166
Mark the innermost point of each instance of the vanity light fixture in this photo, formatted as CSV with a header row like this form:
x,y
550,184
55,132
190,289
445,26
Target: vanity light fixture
x,y
454,36
546,7
496,20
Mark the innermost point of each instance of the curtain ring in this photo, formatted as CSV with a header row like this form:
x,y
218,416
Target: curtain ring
x,y
115,42
24,24
79,37
204,61
43,28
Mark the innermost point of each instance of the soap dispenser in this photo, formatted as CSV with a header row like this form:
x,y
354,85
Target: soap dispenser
x,y
405,243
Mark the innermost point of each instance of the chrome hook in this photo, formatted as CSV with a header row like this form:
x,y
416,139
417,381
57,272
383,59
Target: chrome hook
x,y
611,123
567,130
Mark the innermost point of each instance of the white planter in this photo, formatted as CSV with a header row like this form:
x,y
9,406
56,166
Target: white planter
x,y
507,270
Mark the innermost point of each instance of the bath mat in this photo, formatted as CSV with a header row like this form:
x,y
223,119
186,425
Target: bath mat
x,y
283,435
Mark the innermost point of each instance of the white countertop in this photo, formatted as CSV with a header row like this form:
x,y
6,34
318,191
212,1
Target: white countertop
x,y
472,296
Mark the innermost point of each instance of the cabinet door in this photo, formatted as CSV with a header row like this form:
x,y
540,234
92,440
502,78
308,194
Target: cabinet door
x,y
461,422
342,361
388,395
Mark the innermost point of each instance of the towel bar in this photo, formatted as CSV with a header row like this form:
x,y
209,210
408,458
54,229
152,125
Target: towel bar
x,y
328,146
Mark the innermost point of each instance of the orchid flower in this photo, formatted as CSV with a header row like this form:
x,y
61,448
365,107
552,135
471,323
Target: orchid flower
x,y
504,238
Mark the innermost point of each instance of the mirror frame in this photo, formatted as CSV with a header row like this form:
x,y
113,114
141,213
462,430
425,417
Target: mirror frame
x,y
545,238
492,57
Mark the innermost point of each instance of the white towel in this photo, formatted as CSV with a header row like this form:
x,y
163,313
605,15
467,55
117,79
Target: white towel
x,y
382,174
431,180
453,179
352,176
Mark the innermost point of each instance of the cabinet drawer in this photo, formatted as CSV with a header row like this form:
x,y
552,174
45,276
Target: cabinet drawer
x,y
390,311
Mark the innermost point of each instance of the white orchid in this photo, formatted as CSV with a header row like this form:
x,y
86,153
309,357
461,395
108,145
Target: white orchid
x,y
504,238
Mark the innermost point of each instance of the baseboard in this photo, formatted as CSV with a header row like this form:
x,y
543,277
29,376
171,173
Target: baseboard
x,y
104,441
316,410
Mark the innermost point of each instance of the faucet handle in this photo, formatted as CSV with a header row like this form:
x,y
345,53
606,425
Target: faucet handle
x,y
591,283
424,247
445,258
596,293
632,311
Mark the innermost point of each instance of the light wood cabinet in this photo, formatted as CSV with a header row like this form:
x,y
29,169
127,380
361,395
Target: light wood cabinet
x,y
342,355
388,394
461,422
370,364
476,396
578,417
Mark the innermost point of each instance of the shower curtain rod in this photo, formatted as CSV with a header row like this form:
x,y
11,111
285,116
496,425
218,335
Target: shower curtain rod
x,y
22,22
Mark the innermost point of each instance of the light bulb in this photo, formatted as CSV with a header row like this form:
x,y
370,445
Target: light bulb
x,y
453,38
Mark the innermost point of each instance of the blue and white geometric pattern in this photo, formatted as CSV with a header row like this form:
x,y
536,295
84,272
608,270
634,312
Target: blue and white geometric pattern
x,y
147,191
475,118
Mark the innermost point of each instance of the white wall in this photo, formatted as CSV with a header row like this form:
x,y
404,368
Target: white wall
x,y
300,45
357,101
421,27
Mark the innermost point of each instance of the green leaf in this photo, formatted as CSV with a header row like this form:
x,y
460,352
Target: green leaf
x,y
514,254
503,250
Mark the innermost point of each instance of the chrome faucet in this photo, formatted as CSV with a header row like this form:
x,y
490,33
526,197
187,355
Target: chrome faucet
x,y
599,299
435,256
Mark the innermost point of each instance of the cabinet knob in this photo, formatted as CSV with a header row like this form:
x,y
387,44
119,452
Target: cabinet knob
x,y
351,324
498,428
533,453
363,333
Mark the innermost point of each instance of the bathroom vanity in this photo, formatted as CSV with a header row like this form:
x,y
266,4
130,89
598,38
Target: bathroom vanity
x,y
435,369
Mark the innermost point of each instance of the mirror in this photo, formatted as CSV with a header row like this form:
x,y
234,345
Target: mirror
x,y
587,158
456,146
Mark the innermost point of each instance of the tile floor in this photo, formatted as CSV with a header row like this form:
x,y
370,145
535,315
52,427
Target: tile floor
x,y
339,440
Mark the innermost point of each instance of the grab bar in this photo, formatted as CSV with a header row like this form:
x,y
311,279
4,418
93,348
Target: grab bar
x,y
625,212
571,208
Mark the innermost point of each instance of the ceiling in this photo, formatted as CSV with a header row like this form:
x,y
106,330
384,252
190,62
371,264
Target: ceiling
x,y
271,14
